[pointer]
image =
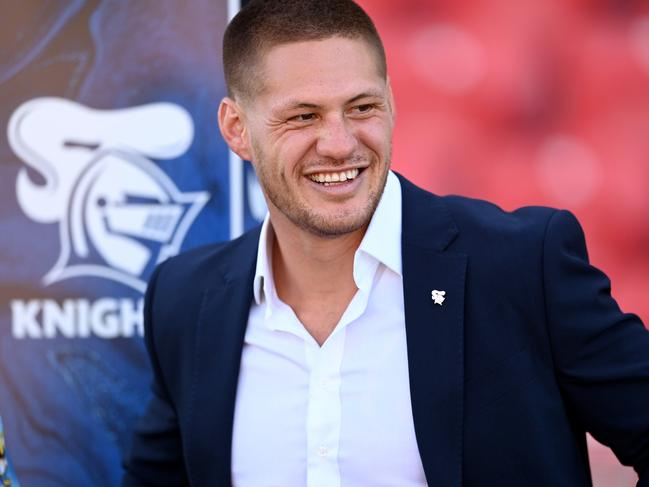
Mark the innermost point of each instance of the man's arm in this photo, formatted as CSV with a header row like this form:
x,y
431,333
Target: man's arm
x,y
156,456
601,355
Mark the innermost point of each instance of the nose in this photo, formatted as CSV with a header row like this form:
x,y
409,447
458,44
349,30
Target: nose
x,y
336,139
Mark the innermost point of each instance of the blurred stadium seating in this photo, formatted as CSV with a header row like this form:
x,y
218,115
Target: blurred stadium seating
x,y
533,102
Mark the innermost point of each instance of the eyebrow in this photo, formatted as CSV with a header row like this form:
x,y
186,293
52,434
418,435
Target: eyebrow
x,y
295,104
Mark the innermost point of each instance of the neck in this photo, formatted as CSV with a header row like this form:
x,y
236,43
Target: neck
x,y
308,266
314,274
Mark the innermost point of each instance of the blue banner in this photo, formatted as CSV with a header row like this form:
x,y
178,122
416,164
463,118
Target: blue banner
x,y
111,162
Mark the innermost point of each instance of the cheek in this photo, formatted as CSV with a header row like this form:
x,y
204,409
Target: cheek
x,y
375,133
377,140
292,154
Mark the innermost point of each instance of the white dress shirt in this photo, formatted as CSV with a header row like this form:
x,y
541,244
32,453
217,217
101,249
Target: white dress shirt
x,y
337,415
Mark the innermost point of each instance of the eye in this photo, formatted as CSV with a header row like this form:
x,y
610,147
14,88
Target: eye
x,y
303,117
364,109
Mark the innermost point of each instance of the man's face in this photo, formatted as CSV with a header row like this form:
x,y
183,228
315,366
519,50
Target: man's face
x,y
320,133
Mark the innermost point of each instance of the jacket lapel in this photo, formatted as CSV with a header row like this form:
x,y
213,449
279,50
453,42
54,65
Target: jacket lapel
x,y
434,333
219,343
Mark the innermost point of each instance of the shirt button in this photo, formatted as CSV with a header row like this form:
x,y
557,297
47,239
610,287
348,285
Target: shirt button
x,y
323,451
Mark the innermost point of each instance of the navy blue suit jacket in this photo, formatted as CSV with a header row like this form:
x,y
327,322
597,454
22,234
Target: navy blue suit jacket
x,y
528,352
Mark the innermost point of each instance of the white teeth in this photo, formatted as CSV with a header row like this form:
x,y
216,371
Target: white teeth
x,y
334,177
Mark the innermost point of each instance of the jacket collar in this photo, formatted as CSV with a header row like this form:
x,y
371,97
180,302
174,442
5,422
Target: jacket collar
x,y
217,349
435,333
427,221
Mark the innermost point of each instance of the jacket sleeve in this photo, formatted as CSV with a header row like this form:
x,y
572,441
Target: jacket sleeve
x,y
601,355
156,456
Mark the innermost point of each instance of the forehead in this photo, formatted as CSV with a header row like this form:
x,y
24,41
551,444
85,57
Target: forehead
x,y
325,68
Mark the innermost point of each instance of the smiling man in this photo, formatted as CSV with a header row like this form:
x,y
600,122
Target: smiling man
x,y
371,333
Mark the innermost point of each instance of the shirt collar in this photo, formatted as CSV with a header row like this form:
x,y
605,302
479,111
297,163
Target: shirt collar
x,y
381,242
263,271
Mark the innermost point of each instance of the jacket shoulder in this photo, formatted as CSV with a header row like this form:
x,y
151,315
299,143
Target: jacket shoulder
x,y
207,266
509,244
470,223
476,215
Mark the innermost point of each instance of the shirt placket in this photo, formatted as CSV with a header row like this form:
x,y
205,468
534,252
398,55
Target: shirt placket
x,y
324,411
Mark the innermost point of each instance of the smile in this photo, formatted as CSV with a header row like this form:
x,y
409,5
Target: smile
x,y
327,178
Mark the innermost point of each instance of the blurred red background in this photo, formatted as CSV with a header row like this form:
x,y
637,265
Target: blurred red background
x,y
533,102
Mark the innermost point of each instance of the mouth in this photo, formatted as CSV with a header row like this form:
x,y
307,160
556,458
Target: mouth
x,y
335,178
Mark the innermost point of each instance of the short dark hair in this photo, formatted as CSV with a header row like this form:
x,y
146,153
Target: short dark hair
x,y
263,24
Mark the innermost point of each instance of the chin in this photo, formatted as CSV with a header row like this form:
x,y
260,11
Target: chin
x,y
328,227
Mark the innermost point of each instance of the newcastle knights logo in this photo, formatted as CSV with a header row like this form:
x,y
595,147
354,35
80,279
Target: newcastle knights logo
x,y
118,213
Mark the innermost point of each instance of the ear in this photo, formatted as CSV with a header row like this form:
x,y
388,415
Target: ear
x,y
233,128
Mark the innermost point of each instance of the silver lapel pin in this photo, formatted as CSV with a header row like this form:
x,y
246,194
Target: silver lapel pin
x,y
438,296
